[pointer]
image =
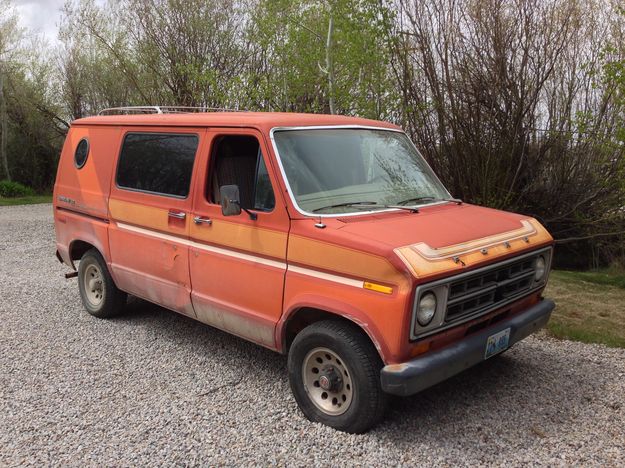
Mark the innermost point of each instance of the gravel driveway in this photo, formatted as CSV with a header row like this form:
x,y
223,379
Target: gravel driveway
x,y
154,387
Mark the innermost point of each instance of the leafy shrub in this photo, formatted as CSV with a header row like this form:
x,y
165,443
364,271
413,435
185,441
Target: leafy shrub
x,y
10,189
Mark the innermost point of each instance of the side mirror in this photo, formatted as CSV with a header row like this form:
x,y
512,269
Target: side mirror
x,y
230,200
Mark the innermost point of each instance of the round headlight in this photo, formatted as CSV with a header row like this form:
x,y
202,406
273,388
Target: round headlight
x,y
540,268
426,309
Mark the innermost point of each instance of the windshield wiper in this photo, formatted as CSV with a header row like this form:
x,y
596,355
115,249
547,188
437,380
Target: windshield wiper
x,y
365,204
412,209
341,205
420,199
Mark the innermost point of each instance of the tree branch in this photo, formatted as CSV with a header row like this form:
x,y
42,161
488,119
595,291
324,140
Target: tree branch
x,y
601,234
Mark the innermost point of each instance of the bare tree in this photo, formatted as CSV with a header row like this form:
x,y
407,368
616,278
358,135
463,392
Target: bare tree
x,y
506,100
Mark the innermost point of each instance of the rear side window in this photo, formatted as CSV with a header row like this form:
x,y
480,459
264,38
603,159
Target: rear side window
x,y
157,163
82,151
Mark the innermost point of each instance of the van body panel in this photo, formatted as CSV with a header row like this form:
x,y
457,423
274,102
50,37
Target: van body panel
x,y
87,190
73,227
342,259
80,196
151,266
381,316
150,247
237,264
351,255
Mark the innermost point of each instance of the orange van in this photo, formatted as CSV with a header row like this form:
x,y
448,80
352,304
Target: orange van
x,y
326,238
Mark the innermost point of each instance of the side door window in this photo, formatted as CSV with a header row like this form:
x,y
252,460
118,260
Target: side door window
x,y
238,160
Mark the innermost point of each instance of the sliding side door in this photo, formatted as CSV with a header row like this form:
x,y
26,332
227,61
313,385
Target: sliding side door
x,y
150,207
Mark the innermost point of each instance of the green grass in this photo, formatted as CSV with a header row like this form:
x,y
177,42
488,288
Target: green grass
x,y
567,331
590,307
597,277
31,200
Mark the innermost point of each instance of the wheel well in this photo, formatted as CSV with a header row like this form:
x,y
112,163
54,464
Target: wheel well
x,y
78,248
305,316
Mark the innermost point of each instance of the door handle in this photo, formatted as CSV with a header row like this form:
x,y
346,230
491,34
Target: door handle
x,y
200,220
177,214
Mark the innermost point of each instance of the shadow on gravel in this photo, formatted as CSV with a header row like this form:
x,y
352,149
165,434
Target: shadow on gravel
x,y
507,397
196,337
519,386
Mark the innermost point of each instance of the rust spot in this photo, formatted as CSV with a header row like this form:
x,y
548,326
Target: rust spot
x,y
234,323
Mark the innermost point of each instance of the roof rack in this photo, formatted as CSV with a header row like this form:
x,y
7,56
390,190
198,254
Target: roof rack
x,y
162,110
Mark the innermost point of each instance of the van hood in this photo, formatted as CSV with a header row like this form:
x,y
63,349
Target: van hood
x,y
438,240
445,237
436,226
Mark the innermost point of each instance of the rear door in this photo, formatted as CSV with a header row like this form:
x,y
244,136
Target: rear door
x,y
150,206
238,263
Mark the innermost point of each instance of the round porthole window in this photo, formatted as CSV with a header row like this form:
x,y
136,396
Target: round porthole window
x,y
82,151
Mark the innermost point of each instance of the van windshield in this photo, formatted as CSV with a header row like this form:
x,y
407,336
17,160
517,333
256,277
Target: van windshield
x,y
353,170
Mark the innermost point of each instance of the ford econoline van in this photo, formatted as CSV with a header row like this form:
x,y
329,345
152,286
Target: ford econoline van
x,y
326,238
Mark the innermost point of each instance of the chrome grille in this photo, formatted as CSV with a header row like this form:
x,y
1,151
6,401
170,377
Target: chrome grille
x,y
487,288
472,294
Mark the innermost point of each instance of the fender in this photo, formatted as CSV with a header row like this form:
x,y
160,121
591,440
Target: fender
x,y
336,307
83,229
93,241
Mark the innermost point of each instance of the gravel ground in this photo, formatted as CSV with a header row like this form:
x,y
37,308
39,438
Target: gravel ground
x,y
154,387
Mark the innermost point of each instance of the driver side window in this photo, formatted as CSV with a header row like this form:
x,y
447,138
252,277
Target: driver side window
x,y
238,160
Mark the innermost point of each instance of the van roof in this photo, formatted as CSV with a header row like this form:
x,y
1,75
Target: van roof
x,y
264,120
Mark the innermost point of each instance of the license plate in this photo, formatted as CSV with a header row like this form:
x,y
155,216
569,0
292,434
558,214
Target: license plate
x,y
497,343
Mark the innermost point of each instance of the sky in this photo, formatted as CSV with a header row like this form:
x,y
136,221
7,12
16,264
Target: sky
x,y
40,16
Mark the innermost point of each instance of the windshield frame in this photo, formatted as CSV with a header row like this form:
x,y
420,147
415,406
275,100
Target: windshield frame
x,y
356,212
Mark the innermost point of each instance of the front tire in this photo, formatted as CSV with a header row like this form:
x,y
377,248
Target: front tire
x,y
334,372
98,292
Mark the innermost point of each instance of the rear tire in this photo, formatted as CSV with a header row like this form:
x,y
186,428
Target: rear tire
x,y
98,292
334,372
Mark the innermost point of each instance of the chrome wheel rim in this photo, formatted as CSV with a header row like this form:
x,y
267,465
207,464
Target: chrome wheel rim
x,y
328,381
93,285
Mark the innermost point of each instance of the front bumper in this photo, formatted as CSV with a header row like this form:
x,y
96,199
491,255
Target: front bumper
x,y
424,371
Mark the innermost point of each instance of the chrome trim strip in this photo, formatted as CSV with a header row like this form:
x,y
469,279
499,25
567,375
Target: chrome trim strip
x,y
332,127
206,247
239,255
327,276
247,257
450,279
